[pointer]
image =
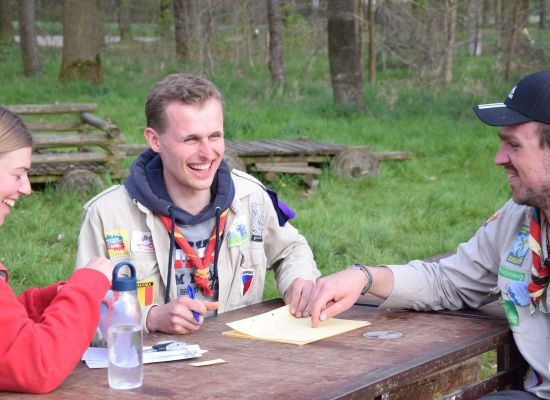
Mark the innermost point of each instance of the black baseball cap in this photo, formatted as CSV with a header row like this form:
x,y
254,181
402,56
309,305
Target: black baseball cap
x,y
528,101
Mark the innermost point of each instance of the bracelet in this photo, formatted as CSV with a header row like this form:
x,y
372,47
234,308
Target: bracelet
x,y
363,268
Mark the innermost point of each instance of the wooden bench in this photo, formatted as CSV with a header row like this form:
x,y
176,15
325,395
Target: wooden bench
x,y
71,145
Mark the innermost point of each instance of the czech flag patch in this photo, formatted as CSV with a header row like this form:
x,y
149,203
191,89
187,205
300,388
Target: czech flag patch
x,y
247,276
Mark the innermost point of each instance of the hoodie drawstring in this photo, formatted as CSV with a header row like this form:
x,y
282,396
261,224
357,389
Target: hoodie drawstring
x,y
215,281
170,254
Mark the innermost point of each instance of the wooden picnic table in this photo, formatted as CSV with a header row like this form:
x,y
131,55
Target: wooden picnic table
x,y
347,366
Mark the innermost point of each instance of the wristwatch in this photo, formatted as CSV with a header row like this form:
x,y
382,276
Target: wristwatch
x,y
368,275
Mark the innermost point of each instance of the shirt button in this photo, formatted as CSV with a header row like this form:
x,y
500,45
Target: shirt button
x,y
140,275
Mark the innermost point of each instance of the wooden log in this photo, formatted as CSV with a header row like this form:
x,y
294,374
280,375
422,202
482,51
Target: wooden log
x,y
132,149
51,158
52,108
392,155
55,126
355,163
83,139
106,126
289,169
312,159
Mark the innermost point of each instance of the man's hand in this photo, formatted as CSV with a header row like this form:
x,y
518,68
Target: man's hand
x,y
297,296
177,317
101,264
335,293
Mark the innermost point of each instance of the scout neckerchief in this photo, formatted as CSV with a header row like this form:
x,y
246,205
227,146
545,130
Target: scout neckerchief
x,y
540,271
202,267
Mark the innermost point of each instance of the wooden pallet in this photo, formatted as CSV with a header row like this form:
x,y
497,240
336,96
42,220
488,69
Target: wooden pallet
x,y
299,156
71,145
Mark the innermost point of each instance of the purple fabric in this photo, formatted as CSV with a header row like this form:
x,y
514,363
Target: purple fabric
x,y
284,212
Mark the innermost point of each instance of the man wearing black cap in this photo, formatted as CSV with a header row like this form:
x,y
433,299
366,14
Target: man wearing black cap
x,y
508,257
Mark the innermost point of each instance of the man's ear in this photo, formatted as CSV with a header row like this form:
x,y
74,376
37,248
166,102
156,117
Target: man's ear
x,y
152,138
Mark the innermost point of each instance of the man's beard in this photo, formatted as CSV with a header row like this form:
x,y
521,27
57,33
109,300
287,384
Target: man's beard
x,y
539,198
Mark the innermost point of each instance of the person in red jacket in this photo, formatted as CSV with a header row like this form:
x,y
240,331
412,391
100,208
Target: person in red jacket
x,y
44,331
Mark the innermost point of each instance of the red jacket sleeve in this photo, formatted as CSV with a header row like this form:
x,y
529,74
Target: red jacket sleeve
x,y
36,300
45,332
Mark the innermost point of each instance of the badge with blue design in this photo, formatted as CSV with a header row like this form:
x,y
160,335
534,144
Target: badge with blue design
x,y
520,247
519,293
237,233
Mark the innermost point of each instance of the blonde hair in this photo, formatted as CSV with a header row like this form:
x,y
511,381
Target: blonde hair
x,y
13,132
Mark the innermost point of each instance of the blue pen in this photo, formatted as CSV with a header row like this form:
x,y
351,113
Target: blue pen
x,y
191,293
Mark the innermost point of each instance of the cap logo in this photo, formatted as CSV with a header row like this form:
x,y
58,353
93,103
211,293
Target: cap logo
x,y
511,94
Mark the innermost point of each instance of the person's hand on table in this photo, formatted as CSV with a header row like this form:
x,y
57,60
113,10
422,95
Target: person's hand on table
x,y
334,294
177,316
297,296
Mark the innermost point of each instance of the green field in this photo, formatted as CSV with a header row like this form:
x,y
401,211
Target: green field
x,y
413,209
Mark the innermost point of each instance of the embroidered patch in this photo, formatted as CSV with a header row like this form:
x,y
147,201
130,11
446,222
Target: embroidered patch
x,y
237,233
511,312
493,217
146,293
247,276
511,274
519,293
520,247
142,242
257,222
116,242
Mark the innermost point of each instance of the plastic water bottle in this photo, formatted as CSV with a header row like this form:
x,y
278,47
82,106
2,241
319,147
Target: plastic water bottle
x,y
125,336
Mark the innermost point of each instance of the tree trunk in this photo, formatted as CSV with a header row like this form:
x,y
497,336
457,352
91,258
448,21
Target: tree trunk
x,y
193,16
511,41
542,14
499,36
6,27
372,42
205,36
344,51
512,20
99,24
165,18
451,6
276,64
124,20
181,22
487,8
27,35
81,47
474,27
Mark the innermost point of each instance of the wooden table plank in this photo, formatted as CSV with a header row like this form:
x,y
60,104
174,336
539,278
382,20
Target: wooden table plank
x,y
345,366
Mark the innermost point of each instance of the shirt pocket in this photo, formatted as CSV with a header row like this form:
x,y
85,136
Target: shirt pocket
x,y
249,279
150,286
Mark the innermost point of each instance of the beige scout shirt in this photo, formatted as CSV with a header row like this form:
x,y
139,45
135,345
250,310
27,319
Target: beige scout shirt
x,y
116,226
482,269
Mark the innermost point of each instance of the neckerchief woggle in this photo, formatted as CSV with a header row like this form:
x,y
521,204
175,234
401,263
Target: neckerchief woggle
x,y
202,267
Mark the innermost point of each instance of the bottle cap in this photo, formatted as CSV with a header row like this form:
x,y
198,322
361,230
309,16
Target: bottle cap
x,y
124,283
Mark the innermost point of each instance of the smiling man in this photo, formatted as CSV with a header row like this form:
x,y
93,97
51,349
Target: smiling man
x,y
181,196
508,257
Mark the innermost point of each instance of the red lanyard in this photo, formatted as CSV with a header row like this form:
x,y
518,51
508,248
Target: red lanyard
x,y
202,267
